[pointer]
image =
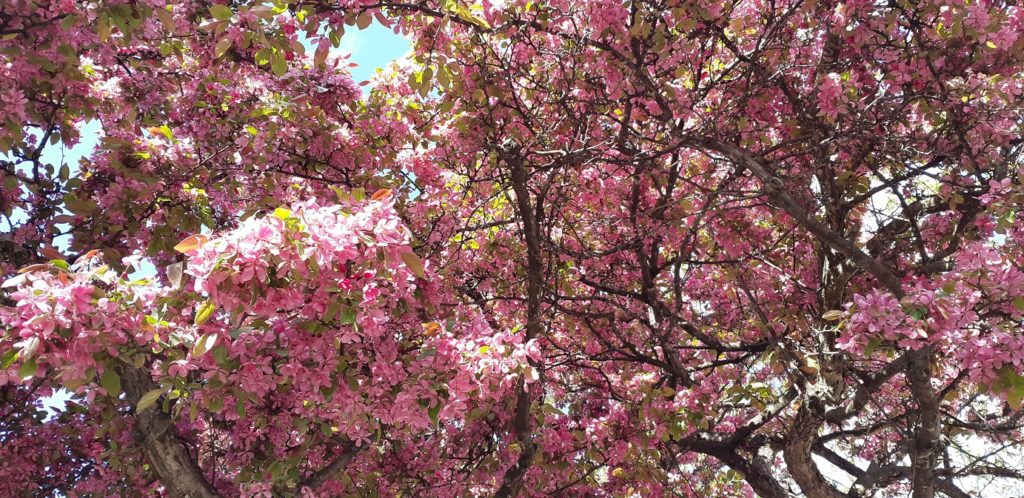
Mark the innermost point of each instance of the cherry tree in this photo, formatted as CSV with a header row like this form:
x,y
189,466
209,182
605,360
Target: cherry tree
x,y
567,248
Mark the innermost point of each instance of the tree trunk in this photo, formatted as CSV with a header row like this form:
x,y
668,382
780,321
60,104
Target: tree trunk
x,y
155,433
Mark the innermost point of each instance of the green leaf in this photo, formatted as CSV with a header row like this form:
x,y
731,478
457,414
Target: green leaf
x,y
332,311
364,20
166,132
873,344
222,47
111,382
335,36
251,129
8,358
147,400
166,19
1018,302
216,403
833,315
103,29
204,344
918,313
240,406
28,369
220,354
348,315
283,213
277,64
221,12
1013,398
414,263
83,207
263,56
433,412
205,312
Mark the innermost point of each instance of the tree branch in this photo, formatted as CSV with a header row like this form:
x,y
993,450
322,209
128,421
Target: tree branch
x,y
155,432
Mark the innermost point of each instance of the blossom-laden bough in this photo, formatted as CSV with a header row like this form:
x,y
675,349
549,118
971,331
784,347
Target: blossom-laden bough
x,y
566,248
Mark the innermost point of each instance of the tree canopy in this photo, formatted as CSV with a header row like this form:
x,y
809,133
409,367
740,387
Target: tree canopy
x,y
566,248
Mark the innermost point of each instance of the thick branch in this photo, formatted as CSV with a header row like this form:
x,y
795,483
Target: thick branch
x,y
512,482
797,450
756,472
924,450
334,469
155,432
776,191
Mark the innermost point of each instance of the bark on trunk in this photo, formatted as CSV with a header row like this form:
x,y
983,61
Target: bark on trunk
x,y
334,469
512,481
797,451
155,433
928,429
925,447
756,473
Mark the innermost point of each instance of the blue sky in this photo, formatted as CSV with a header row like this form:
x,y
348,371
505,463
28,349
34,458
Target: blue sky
x,y
373,47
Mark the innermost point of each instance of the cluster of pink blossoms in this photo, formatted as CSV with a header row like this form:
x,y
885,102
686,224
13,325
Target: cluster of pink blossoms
x,y
69,321
879,315
317,317
831,100
962,313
